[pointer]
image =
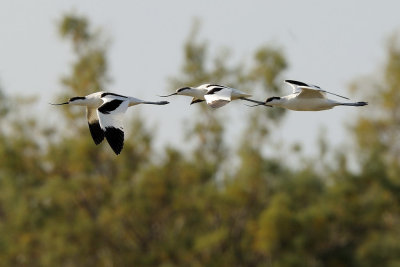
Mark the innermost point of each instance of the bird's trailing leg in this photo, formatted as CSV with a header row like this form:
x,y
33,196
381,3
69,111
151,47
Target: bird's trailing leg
x,y
356,104
258,103
156,103
59,104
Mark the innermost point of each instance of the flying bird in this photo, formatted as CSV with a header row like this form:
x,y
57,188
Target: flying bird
x,y
215,95
105,112
307,97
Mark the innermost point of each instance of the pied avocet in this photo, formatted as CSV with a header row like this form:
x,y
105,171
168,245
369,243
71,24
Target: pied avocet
x,y
307,97
215,95
105,112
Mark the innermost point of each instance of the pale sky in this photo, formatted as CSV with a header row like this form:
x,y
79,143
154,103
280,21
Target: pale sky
x,y
326,43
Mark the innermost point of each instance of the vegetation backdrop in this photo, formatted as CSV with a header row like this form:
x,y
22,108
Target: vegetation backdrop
x,y
66,202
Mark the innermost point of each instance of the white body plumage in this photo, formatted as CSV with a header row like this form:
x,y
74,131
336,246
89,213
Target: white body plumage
x,y
307,97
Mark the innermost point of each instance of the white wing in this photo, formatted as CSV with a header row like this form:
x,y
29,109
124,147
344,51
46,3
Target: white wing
x,y
111,115
306,92
297,86
218,96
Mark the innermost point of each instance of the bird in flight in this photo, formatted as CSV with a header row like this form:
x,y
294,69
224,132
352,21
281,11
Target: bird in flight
x,y
215,95
105,112
307,97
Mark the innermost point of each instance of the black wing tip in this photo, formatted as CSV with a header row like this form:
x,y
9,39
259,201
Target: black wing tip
x,y
216,85
96,132
362,103
115,138
296,82
163,102
196,101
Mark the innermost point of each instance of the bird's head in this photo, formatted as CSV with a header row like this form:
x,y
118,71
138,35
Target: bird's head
x,y
272,100
77,100
184,91
180,91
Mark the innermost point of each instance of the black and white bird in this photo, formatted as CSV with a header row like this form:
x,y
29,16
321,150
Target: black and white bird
x,y
215,95
307,97
105,112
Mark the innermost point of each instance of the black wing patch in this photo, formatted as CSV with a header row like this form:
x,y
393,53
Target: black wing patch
x,y
106,108
105,94
296,83
194,101
96,132
115,138
214,90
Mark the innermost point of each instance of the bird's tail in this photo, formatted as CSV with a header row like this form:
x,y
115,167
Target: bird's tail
x,y
356,104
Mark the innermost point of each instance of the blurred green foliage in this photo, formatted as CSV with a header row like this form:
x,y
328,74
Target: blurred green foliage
x,y
66,202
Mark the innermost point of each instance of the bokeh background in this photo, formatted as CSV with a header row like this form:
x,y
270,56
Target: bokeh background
x,y
237,186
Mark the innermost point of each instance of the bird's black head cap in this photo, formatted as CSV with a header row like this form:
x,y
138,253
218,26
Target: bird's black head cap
x,y
76,98
269,99
182,89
